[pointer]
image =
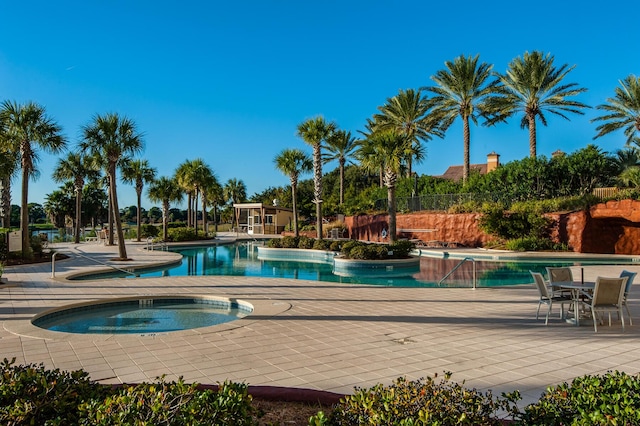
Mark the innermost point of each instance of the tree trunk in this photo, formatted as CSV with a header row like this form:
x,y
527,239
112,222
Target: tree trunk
x,y
165,220
122,250
110,214
317,186
532,136
79,185
138,214
24,212
390,183
342,161
294,202
5,202
467,139
189,204
205,225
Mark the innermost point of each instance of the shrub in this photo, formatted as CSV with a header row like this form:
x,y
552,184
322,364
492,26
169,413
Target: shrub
x,y
423,401
350,245
321,244
509,225
401,248
335,246
290,242
466,207
358,252
30,394
274,243
35,242
184,234
610,399
173,403
148,230
305,242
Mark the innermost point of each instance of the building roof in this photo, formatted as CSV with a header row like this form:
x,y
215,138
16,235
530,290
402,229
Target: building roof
x,y
455,173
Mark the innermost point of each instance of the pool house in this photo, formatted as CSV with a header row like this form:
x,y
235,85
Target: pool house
x,y
256,218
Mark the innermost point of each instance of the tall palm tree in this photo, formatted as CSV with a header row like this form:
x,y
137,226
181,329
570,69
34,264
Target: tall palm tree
x,y
462,90
533,85
314,132
209,193
408,113
235,191
9,161
76,168
31,130
622,111
341,146
112,138
138,172
386,149
183,178
166,191
292,162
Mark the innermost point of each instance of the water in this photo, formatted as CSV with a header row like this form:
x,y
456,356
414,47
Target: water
x,y
241,259
136,317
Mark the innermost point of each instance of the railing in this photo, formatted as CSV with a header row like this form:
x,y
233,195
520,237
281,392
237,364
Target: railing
x,y
605,192
438,202
151,245
53,263
472,260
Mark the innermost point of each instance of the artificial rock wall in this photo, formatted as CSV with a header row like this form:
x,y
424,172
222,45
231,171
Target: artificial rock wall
x,y
612,227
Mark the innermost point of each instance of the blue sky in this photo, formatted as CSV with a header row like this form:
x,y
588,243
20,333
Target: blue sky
x,y
230,81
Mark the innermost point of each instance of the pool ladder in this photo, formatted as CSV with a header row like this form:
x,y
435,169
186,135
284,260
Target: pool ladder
x,y
472,260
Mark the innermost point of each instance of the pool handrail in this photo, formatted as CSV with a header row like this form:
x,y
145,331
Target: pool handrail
x,y
53,263
473,261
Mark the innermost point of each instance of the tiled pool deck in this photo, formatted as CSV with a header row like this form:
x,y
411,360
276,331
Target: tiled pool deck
x,y
316,335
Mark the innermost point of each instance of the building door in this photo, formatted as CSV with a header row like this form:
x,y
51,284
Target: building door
x,y
250,225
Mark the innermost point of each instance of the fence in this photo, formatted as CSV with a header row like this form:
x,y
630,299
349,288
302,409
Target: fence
x,y
438,202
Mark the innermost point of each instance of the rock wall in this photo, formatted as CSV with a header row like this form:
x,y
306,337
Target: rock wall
x,y
612,227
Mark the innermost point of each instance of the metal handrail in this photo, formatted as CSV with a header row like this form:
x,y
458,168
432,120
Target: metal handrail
x,y
53,263
473,261
151,245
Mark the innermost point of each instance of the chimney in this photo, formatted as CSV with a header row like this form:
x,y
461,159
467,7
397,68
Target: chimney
x,y
557,153
493,161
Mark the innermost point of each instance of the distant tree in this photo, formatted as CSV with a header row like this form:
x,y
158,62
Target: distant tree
x,y
211,194
533,85
314,132
154,214
31,130
112,138
462,91
94,202
60,204
76,168
138,172
622,112
166,191
340,146
293,162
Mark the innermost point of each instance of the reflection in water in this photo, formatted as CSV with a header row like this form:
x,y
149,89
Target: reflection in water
x,y
241,260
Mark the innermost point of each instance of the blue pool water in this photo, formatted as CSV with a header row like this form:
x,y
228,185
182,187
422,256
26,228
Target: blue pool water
x,y
142,316
241,259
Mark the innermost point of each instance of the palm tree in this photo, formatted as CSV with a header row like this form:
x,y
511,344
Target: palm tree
x,y
341,146
59,204
113,139
166,191
236,191
315,131
386,149
138,172
462,90
76,168
9,161
408,113
533,85
292,162
29,128
183,178
623,111
210,190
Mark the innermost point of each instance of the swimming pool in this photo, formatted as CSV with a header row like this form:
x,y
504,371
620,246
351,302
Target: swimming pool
x,y
241,259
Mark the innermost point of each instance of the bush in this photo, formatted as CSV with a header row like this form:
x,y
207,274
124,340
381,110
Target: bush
x,y
335,246
184,234
148,230
174,403
305,242
610,399
423,401
401,248
35,242
321,244
290,242
274,243
350,245
30,394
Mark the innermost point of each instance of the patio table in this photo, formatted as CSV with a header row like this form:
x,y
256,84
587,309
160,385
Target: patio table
x,y
576,288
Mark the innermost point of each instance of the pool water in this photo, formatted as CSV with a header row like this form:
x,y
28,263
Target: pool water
x,y
241,259
142,316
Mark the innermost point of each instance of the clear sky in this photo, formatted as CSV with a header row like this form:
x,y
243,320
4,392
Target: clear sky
x,y
230,81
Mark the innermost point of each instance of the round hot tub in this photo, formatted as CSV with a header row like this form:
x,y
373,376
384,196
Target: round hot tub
x,y
143,315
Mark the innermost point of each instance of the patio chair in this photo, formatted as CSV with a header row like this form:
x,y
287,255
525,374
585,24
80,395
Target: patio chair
x,y
561,275
547,297
608,295
627,288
